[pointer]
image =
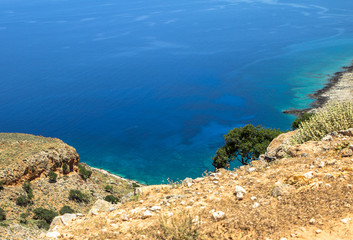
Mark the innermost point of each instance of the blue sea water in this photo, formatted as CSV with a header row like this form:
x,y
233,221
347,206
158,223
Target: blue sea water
x,y
146,89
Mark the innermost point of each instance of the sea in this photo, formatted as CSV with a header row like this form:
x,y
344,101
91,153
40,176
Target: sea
x,y
147,89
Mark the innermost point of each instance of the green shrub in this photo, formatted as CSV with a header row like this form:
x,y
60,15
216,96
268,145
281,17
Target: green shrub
x,y
52,176
30,194
66,209
44,214
78,196
108,188
331,118
111,199
302,118
244,144
23,201
2,214
65,168
26,186
135,185
23,217
42,224
83,172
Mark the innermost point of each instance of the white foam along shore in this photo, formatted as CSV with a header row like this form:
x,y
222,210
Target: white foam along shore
x,y
115,175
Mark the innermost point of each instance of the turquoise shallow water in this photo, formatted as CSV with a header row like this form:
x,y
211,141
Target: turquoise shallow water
x,y
147,89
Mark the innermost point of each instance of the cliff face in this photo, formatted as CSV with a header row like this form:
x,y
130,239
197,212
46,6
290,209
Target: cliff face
x,y
306,193
27,157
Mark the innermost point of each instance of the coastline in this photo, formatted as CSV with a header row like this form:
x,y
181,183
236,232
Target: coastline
x,y
338,88
115,175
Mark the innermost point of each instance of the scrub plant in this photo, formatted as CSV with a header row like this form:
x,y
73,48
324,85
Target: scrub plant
x,y
332,117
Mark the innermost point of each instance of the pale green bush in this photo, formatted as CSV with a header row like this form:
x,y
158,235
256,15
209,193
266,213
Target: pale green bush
x,y
331,118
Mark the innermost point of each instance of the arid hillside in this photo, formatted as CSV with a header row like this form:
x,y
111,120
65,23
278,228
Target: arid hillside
x,y
305,193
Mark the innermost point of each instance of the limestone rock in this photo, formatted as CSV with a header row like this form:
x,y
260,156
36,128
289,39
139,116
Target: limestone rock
x,y
282,189
101,206
278,146
219,215
63,220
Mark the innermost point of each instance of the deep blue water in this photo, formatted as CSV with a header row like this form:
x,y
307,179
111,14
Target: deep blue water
x,y
146,89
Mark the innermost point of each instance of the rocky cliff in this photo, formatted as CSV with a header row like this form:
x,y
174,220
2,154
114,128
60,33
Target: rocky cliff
x,y
27,157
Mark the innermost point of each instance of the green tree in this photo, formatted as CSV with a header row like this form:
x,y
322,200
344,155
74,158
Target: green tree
x,y
244,145
302,118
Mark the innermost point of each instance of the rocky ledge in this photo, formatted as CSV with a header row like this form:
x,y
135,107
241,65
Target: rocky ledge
x,y
27,157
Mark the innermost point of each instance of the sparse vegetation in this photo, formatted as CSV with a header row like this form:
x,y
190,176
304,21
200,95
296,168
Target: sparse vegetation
x,y
302,118
23,201
44,214
65,168
84,173
23,218
181,227
42,224
111,199
78,196
52,176
66,209
26,186
108,188
2,214
331,118
1,185
244,144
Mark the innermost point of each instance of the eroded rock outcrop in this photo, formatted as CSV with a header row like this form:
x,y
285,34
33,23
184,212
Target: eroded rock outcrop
x,y
27,157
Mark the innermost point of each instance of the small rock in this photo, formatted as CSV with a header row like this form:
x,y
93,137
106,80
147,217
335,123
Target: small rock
x,y
321,164
328,176
255,205
253,198
215,182
239,195
186,181
327,138
125,217
309,175
53,234
155,208
312,221
190,184
318,231
240,189
345,220
252,169
146,214
331,162
281,190
219,215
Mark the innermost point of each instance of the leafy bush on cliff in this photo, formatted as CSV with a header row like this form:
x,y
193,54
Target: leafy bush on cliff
x,y
44,214
302,118
331,118
26,186
78,196
111,199
2,214
42,224
23,201
244,144
108,188
65,168
52,176
83,172
66,209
